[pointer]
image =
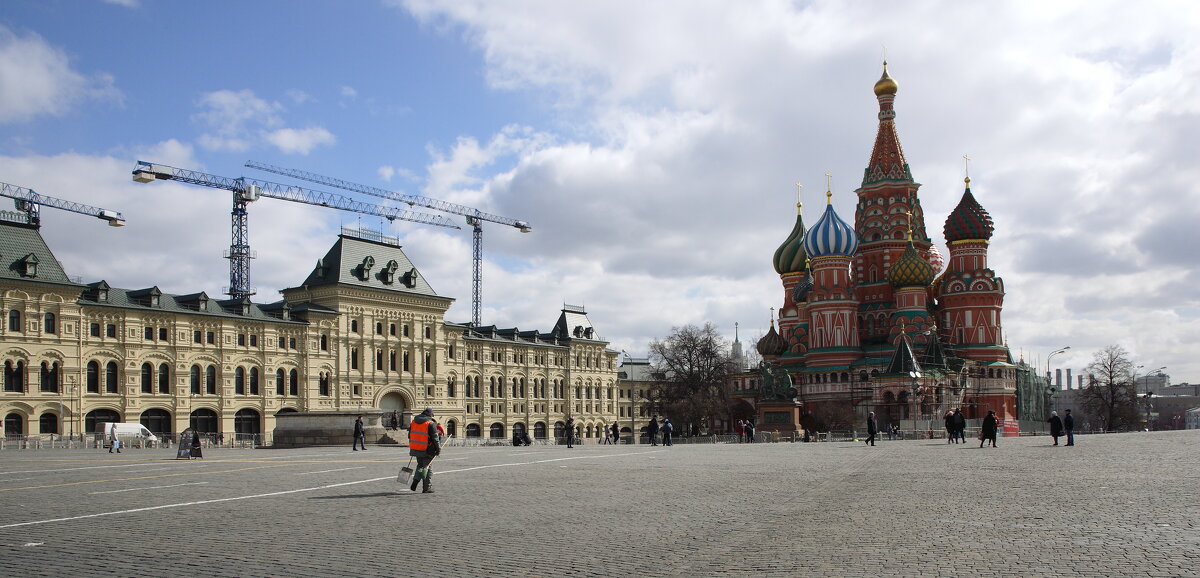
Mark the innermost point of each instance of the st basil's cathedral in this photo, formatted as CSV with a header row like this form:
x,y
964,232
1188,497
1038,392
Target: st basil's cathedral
x,y
871,321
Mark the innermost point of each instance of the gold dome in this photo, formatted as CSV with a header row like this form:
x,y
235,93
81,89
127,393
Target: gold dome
x,y
885,85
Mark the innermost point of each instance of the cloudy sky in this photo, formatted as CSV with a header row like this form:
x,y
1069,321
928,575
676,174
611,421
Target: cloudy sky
x,y
653,146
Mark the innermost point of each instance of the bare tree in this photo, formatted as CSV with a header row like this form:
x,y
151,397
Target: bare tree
x,y
693,364
1110,393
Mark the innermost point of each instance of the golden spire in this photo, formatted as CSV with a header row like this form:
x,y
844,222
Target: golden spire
x,y
885,85
798,203
772,318
829,188
908,215
967,170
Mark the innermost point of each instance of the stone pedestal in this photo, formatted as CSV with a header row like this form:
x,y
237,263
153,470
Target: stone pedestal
x,y
328,428
779,416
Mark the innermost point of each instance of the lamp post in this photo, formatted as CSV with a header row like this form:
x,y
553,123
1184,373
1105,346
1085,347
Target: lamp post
x,y
916,391
1149,396
1050,388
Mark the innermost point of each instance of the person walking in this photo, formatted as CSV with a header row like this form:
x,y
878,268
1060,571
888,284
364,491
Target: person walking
x,y
740,428
960,425
652,430
667,429
951,433
423,444
1069,427
749,427
570,432
988,431
1056,426
605,439
872,429
116,441
360,435
616,433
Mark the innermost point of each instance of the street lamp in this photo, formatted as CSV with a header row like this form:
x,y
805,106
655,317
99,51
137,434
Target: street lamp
x,y
1050,388
916,391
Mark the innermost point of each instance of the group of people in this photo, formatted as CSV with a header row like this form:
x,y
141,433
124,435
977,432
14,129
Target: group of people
x,y
745,430
956,426
1062,426
666,428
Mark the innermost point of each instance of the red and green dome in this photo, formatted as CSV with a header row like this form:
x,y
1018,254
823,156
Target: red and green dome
x,y
968,220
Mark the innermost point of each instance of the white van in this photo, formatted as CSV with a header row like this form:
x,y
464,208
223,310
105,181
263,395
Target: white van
x,y
126,432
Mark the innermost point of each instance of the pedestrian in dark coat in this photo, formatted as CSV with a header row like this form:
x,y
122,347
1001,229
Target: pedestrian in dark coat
x,y
951,432
1069,427
424,445
616,433
360,435
1056,428
570,432
872,429
667,429
652,430
749,431
960,425
988,431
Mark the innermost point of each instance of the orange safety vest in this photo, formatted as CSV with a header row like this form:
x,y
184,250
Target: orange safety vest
x,y
418,435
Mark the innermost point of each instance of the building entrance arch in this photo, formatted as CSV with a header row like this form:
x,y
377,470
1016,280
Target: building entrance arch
x,y
204,421
247,421
393,401
157,420
93,419
14,425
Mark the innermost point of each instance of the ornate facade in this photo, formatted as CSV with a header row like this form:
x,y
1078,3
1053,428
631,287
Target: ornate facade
x,y
364,331
871,322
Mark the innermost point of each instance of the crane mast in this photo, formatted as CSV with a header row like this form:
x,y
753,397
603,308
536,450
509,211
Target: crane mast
x,y
475,219
29,202
246,190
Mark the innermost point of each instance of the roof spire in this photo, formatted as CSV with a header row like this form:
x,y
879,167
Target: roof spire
x,y
798,203
908,216
829,188
967,170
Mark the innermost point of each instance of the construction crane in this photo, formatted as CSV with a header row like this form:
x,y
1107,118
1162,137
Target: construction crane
x,y
475,218
29,202
246,191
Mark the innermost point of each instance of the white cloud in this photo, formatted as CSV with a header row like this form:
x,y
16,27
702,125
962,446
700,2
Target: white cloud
x,y
349,92
125,3
36,79
386,172
300,141
233,118
299,96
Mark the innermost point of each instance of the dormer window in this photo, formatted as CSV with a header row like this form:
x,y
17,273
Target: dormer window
x,y
410,278
102,292
245,307
286,312
388,274
364,268
321,269
29,265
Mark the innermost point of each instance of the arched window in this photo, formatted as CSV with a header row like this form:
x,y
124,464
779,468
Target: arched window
x,y
194,380
158,421
48,324
253,381
164,378
324,343
239,380
210,380
49,377
147,378
14,376
247,422
14,320
279,381
473,430
450,387
93,377
204,421
110,377
492,387
93,419
496,431
294,382
323,384
48,423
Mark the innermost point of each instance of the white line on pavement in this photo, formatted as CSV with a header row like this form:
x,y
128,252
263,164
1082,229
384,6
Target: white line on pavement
x,y
133,465
327,471
149,488
298,490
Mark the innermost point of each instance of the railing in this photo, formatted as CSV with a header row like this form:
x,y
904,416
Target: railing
x,y
98,441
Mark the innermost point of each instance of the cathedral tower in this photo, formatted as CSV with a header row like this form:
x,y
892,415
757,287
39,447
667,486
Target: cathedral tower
x,y
833,339
970,295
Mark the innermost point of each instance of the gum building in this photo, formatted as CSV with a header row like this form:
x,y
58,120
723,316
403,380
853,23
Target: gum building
x,y
362,331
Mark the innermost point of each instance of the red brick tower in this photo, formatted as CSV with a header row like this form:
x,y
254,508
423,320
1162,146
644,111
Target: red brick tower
x,y
970,295
833,339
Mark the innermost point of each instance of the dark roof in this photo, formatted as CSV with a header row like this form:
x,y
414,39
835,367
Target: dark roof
x,y
19,241
370,263
192,303
903,361
573,323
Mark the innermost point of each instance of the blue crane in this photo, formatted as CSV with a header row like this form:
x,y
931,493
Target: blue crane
x,y
474,217
30,202
246,191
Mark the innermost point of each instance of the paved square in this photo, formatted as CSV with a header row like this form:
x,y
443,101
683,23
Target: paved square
x,y
1114,505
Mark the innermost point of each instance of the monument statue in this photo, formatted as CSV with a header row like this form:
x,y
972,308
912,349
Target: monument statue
x,y
776,383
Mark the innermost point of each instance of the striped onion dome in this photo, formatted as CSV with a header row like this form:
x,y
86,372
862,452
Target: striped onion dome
x,y
968,220
911,270
790,256
800,291
772,343
831,235
935,258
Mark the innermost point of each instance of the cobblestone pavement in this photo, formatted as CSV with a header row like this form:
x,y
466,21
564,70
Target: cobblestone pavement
x,y
1113,505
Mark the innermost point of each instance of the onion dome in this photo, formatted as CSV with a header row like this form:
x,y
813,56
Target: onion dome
x,y
790,256
968,220
771,344
800,291
831,235
910,269
886,84
935,258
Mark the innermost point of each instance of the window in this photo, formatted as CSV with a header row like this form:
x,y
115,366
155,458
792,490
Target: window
x,y
353,326
14,377
324,343
323,384
162,333
253,341
291,343
279,382
378,359
294,382
48,324
93,377
282,342
95,330
14,320
110,330
378,329
242,339
147,378
428,333
353,358
406,366
428,363
450,387
197,337
405,330
392,360
194,380
239,381
49,377
450,351
110,377
253,381
164,378
210,379
209,338
392,329
149,334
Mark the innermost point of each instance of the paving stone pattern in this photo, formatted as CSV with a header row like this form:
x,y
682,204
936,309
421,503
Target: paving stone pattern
x,y
1114,505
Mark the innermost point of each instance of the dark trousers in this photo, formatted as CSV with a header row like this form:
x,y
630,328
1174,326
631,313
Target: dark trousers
x,y
870,439
653,438
1070,437
570,441
359,439
426,478
666,438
